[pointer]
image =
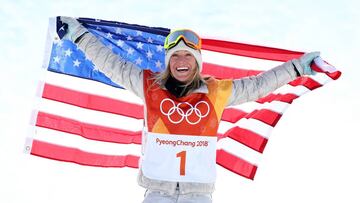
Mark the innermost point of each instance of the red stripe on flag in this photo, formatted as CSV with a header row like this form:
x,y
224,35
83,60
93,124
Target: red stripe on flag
x,y
309,83
335,75
288,98
233,115
235,164
68,154
248,50
247,138
267,116
86,130
91,101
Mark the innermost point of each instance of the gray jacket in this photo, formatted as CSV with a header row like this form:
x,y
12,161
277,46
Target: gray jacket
x,y
131,77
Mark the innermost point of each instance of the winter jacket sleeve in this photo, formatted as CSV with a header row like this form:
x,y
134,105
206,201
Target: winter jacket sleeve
x,y
113,66
254,87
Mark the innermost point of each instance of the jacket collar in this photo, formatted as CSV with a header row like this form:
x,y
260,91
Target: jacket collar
x,y
203,89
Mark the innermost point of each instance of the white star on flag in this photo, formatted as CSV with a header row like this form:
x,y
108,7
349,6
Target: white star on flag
x,y
129,38
59,43
76,63
68,52
139,45
138,33
158,64
138,61
87,58
159,48
130,51
120,43
118,31
109,35
149,54
56,59
150,40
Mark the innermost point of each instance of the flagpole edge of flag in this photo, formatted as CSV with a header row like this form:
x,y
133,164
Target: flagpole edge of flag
x,y
28,145
50,37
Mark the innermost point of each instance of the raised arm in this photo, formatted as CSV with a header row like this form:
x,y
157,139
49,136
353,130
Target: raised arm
x,y
254,87
113,66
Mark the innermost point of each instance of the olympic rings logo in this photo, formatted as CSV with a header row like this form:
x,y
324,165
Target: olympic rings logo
x,y
175,109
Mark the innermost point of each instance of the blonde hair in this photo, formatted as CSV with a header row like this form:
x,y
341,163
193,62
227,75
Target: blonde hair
x,y
196,81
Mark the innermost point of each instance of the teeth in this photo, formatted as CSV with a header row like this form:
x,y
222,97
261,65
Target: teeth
x,y
182,69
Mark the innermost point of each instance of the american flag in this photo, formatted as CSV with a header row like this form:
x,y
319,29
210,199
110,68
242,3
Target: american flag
x,y
85,118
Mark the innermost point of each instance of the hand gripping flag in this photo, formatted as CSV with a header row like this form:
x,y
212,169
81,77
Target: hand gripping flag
x,y
83,117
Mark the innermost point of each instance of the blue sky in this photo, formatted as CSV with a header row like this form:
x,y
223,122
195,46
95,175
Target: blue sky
x,y
312,154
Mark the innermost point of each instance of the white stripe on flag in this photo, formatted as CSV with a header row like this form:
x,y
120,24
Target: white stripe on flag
x,y
324,66
321,78
91,87
235,61
90,116
239,150
253,125
276,106
288,89
78,142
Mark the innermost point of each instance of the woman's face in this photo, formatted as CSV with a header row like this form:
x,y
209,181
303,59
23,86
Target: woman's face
x,y
182,66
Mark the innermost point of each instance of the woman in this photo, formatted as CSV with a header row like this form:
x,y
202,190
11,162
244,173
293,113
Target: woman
x,y
182,110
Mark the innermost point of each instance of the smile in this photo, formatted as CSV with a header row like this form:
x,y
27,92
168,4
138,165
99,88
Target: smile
x,y
182,69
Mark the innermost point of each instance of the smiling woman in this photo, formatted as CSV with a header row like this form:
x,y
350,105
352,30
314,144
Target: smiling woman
x,y
183,66
183,63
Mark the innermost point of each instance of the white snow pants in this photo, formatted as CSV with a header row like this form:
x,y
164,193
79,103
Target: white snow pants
x,y
161,197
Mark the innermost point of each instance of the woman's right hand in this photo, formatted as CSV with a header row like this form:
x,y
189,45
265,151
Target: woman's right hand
x,y
74,29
